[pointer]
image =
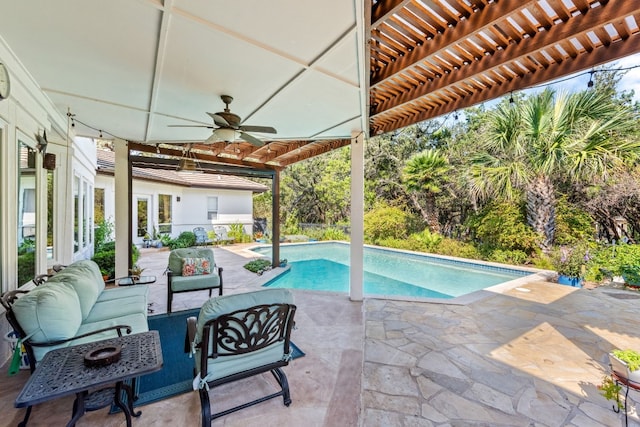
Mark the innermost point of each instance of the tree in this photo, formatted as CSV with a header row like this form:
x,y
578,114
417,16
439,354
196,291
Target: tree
x,y
423,176
545,138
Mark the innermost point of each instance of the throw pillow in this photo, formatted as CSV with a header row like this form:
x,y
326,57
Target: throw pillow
x,y
195,266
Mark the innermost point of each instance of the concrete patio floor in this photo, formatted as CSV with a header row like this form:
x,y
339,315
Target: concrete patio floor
x,y
531,356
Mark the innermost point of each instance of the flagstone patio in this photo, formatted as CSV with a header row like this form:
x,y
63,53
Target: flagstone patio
x,y
532,355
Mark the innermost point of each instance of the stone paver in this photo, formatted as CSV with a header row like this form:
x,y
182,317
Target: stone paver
x,y
514,359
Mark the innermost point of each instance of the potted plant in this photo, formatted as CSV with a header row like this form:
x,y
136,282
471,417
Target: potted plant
x,y
571,263
631,275
136,270
625,364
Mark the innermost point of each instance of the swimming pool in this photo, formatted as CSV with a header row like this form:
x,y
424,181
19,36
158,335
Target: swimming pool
x,y
324,266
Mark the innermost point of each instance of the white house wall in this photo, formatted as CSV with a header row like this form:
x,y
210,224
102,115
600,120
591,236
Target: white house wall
x,y
233,206
190,212
26,113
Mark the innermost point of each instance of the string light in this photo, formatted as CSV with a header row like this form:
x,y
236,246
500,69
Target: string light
x,y
100,131
590,84
511,101
590,72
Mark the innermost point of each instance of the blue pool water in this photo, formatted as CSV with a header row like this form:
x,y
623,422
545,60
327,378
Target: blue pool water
x,y
325,267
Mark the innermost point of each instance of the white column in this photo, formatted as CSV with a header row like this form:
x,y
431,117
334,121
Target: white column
x,y
357,217
122,208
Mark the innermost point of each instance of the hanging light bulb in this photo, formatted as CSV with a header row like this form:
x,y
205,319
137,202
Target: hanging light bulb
x,y
511,101
590,83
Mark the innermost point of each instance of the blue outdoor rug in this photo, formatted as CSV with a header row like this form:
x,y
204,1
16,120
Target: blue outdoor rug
x,y
176,375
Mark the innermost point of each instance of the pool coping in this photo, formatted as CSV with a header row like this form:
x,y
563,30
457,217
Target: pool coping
x,y
535,274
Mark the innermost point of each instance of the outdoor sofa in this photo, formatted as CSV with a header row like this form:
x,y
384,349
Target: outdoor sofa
x,y
74,307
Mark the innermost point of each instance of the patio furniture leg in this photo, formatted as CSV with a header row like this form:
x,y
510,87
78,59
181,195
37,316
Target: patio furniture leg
x,y
78,408
23,423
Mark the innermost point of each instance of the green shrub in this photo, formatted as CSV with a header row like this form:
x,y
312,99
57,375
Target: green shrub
x,y
515,256
456,248
386,222
111,246
103,233
291,225
406,244
27,245
609,260
26,267
503,226
106,260
428,239
333,233
542,262
184,240
572,224
165,238
236,232
258,265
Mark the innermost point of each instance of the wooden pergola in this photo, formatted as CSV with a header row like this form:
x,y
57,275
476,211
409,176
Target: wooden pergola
x,y
428,58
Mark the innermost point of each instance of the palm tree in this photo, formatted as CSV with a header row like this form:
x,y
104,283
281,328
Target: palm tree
x,y
423,174
530,146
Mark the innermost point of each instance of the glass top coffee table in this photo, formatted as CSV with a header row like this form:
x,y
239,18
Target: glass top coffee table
x,y
136,280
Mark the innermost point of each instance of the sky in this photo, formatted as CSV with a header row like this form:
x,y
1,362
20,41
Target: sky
x,y
631,80
576,82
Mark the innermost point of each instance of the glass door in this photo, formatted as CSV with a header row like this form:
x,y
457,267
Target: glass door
x,y
26,213
142,218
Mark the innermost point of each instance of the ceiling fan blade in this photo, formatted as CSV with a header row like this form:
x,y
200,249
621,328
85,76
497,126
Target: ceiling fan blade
x,y
190,126
259,129
251,139
219,120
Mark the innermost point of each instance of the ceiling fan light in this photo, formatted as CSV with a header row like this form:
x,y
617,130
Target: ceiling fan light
x,y
227,135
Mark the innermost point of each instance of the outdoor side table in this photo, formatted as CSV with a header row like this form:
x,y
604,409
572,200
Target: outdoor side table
x,y
136,280
62,372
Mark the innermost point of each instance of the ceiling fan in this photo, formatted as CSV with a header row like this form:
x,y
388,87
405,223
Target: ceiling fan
x,y
229,128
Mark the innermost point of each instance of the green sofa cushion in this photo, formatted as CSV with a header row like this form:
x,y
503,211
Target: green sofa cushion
x,y
109,309
124,292
84,276
50,312
137,321
176,256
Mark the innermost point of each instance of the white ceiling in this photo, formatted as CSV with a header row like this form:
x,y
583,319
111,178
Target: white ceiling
x,y
133,67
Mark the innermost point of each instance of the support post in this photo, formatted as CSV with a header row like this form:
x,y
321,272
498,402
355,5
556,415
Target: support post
x,y
356,288
122,178
275,219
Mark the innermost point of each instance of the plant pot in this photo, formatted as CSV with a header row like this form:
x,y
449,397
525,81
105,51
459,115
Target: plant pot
x,y
576,282
621,369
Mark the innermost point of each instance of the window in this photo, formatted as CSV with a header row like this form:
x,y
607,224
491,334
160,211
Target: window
x,y
98,205
143,221
85,214
76,213
50,210
164,213
212,207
